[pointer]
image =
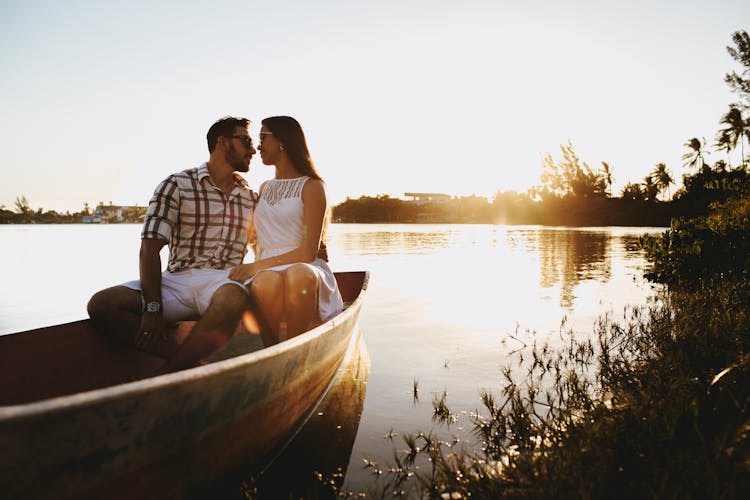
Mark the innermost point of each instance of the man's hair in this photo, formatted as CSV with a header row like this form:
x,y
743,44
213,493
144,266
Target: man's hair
x,y
224,127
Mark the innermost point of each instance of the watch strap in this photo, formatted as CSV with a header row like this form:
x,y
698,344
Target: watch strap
x,y
151,306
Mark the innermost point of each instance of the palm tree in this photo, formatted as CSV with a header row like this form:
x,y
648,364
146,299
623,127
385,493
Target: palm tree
x,y
650,188
723,143
608,178
22,205
632,191
737,130
662,177
694,157
739,83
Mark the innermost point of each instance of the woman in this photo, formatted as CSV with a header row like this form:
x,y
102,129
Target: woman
x,y
291,284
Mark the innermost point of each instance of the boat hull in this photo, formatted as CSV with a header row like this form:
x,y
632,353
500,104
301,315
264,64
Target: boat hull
x,y
174,434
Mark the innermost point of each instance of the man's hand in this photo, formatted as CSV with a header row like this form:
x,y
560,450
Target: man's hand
x,y
152,327
151,331
243,272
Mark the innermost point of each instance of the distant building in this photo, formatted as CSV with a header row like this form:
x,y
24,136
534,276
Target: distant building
x,y
420,198
117,213
109,212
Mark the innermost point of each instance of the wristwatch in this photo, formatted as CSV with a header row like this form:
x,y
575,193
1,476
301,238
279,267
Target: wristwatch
x,y
153,307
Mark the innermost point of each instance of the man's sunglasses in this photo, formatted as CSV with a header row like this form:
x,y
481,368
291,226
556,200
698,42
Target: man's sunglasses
x,y
246,140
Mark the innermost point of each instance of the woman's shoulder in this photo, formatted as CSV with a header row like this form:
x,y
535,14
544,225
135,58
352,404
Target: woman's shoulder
x,y
312,184
314,188
313,181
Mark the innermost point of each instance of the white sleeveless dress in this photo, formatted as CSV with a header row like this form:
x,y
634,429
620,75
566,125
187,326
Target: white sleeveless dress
x,y
279,228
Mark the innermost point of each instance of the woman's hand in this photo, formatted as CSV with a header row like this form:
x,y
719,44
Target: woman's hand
x,y
243,272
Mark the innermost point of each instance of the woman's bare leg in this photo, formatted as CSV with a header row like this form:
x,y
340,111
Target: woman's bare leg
x,y
300,298
267,289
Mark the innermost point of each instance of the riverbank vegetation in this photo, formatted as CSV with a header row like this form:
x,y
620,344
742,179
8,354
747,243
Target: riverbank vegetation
x,y
570,194
655,404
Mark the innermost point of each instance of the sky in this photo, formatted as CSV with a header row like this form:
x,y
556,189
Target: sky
x,y
102,100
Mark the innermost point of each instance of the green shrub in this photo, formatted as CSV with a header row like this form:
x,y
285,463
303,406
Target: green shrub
x,y
693,250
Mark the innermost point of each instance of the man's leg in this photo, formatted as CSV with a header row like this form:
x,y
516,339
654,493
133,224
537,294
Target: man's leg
x,y
116,312
213,330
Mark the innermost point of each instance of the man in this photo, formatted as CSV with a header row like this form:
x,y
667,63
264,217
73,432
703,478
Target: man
x,y
204,215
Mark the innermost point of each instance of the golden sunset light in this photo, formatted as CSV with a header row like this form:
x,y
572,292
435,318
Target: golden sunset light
x,y
374,249
450,97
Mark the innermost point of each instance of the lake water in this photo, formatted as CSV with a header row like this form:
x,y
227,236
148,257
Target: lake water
x,y
445,306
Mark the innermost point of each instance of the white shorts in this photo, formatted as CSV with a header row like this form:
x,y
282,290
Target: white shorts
x,y
187,294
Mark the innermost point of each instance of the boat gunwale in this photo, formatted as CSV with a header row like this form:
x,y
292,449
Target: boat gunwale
x,y
106,394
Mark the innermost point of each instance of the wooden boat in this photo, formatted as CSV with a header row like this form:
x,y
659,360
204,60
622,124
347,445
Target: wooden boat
x,y
72,426
323,446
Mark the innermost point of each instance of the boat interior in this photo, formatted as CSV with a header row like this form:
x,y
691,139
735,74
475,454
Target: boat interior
x,y
74,357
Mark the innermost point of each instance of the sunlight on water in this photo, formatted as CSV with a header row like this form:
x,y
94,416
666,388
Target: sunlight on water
x,y
448,303
445,306
51,271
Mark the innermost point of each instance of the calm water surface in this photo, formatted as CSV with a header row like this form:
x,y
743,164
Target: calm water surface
x,y
445,306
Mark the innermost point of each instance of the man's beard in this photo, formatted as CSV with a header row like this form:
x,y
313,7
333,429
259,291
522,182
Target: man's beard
x,y
236,161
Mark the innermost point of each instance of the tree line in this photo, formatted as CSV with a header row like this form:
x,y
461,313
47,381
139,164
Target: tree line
x,y
570,194
24,214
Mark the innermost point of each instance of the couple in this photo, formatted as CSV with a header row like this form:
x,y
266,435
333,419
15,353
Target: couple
x,y
208,216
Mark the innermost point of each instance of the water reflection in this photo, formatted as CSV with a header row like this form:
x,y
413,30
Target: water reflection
x,y
324,445
566,258
390,242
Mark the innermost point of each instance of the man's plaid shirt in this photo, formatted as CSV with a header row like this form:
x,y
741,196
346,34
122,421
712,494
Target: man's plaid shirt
x,y
203,227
